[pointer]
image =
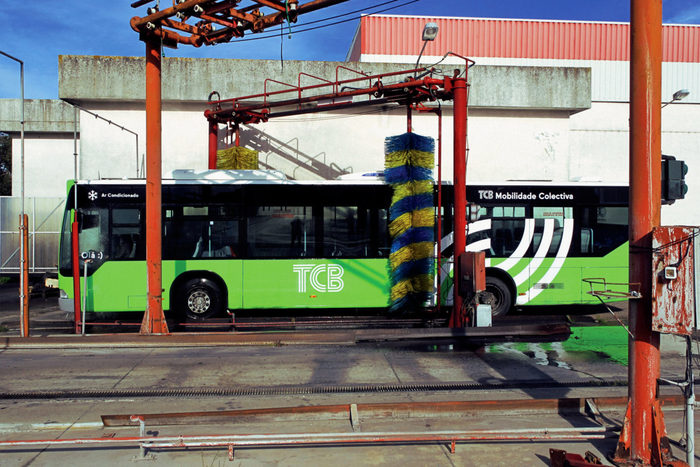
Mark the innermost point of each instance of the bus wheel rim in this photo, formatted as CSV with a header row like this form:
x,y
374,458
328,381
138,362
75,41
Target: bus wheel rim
x,y
198,302
497,296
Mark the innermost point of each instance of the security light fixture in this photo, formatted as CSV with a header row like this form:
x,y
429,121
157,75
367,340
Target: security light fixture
x,y
430,31
678,95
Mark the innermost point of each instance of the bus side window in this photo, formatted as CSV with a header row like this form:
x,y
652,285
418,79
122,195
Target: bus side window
x,y
281,232
507,229
555,215
604,228
126,233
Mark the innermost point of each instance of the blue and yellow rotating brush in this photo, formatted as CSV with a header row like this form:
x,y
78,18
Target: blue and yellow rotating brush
x,y
409,170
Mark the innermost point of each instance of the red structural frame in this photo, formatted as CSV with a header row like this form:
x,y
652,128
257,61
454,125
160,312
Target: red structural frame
x,y
193,22
409,91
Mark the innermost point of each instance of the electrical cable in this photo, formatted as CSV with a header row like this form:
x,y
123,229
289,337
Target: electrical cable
x,y
329,24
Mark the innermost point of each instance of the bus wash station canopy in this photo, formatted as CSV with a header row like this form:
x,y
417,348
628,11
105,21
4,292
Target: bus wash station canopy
x,y
169,27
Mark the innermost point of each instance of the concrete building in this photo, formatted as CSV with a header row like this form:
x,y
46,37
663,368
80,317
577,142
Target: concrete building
x,y
590,145
545,117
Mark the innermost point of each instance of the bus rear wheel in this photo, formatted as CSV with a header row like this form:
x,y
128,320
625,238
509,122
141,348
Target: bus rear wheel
x,y
200,299
502,296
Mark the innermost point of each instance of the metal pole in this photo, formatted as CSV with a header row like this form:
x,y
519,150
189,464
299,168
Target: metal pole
x,y
439,211
153,319
409,117
24,240
213,143
645,213
76,269
460,191
85,266
689,404
23,273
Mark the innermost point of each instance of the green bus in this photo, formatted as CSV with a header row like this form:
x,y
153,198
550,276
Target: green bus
x,y
254,240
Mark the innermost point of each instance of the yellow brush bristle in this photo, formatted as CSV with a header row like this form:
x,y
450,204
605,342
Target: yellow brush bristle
x,y
237,158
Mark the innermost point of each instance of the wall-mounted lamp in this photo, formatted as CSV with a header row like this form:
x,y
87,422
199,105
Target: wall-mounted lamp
x,y
677,96
430,32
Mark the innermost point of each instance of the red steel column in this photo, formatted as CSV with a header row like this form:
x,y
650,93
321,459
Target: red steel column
x,y
213,143
76,271
460,187
153,319
645,214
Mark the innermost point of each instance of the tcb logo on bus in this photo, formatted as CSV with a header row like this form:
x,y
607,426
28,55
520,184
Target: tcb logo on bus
x,y
485,194
321,277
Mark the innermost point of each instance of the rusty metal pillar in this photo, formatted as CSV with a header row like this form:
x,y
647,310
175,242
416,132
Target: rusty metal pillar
x,y
645,214
460,192
153,320
213,143
24,274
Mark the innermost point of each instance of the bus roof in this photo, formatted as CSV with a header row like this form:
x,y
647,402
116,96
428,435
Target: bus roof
x,y
234,177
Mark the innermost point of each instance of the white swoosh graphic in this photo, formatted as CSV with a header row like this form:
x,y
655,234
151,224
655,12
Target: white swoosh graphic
x,y
520,251
554,269
539,255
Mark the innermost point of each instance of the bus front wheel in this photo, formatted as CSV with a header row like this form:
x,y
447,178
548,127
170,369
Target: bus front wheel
x,y
502,296
200,299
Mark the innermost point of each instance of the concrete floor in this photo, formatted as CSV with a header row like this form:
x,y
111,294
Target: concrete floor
x,y
297,366
112,367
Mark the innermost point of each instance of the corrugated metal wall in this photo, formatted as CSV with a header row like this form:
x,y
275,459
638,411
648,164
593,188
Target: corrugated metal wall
x,y
520,38
604,47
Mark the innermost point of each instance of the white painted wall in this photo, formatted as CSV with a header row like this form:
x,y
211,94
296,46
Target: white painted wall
x,y
504,145
48,163
600,150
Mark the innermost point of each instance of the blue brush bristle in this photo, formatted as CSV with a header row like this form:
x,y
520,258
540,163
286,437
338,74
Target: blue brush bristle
x,y
410,203
408,141
411,270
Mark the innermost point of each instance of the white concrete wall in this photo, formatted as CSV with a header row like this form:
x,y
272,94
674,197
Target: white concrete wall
x,y
48,163
504,144
600,150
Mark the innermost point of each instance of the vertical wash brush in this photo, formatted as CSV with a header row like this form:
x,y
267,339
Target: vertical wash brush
x,y
409,160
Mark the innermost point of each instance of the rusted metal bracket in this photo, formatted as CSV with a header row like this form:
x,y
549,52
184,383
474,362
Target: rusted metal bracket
x,y
207,22
661,455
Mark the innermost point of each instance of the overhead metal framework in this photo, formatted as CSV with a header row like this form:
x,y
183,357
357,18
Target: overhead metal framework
x,y
407,87
192,22
209,22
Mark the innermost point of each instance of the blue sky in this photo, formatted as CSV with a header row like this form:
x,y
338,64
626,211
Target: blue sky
x,y
37,31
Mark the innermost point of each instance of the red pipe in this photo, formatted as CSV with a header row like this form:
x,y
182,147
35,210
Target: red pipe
x,y
645,214
213,143
409,118
459,86
153,319
76,271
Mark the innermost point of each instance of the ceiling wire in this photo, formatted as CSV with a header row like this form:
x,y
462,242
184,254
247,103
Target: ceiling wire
x,y
329,24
